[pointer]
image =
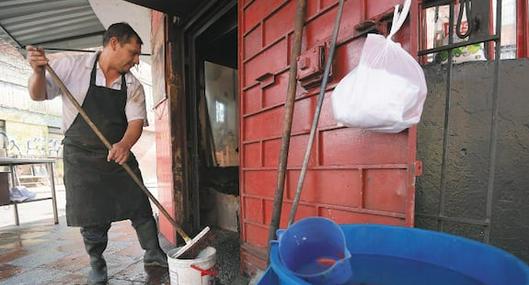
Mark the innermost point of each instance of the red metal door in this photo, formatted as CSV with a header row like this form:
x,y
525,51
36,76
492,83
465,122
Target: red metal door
x,y
354,176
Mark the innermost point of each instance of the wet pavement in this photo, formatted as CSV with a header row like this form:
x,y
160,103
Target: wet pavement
x,y
43,253
39,252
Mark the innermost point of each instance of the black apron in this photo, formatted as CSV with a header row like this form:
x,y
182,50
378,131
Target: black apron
x,y
100,192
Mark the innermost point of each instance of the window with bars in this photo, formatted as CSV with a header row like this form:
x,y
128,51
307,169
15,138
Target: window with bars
x,y
435,33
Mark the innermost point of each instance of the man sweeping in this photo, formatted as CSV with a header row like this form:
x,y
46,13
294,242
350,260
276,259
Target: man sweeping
x,y
98,190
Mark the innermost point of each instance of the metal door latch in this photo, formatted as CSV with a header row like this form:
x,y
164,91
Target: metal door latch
x,y
311,66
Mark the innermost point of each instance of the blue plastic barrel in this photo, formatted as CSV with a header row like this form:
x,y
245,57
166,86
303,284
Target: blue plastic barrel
x,y
389,255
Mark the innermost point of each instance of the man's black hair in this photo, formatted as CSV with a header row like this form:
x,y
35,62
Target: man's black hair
x,y
122,31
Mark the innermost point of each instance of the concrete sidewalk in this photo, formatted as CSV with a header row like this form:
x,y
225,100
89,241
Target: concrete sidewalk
x,y
44,253
39,252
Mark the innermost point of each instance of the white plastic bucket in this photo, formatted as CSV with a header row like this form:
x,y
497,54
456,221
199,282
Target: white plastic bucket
x,y
198,271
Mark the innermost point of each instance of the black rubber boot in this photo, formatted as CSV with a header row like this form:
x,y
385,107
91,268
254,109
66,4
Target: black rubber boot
x,y
148,237
95,241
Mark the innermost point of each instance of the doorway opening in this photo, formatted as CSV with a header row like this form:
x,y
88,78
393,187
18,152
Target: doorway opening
x,y
212,90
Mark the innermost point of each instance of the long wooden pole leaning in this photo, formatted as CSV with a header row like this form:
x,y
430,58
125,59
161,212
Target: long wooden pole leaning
x,y
287,121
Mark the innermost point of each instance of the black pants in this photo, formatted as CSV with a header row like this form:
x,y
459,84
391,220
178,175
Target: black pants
x,y
99,233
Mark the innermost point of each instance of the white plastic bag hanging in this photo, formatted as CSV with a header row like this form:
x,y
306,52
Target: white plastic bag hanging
x,y
386,92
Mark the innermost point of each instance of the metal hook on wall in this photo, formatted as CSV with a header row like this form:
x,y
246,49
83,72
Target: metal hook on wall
x,y
465,5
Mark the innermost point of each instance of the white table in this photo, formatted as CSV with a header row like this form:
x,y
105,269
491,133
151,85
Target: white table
x,y
13,162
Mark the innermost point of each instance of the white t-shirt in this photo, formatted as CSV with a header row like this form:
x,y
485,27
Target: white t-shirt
x,y
74,71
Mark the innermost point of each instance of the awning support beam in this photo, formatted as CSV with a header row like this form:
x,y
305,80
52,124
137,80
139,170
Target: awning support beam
x,y
10,36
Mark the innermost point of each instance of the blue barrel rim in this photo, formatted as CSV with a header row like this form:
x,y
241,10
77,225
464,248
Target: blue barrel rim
x,y
522,265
